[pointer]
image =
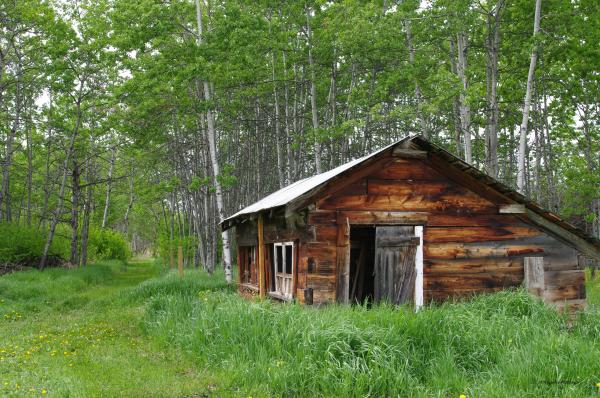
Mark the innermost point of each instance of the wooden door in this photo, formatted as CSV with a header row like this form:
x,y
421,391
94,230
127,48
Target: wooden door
x,y
395,272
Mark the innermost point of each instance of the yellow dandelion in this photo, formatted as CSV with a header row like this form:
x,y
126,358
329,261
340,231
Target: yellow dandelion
x,y
44,392
598,384
462,396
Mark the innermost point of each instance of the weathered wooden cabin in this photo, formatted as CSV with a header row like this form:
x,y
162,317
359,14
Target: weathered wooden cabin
x,y
408,223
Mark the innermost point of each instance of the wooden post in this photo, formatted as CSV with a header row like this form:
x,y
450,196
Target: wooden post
x,y
180,260
261,258
343,259
534,275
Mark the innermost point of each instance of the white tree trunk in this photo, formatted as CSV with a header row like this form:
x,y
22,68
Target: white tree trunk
x,y
313,96
464,109
411,60
527,103
214,160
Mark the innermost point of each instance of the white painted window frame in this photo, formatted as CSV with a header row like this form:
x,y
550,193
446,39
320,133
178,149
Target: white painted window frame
x,y
419,301
283,245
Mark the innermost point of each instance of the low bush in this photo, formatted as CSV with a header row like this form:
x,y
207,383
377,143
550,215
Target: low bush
x,y
106,244
22,245
506,344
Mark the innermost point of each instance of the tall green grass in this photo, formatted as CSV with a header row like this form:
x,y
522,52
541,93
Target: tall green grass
x,y
33,290
506,344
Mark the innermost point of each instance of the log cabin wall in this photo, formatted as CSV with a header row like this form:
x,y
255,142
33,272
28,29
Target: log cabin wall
x,y
468,246
277,229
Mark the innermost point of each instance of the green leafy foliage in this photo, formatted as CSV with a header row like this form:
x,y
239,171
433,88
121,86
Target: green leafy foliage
x,y
106,244
22,245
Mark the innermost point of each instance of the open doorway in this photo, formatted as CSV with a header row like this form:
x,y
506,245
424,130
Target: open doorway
x,y
362,263
386,264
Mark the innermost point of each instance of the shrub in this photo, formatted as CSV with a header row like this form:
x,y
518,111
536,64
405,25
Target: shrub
x,y
22,245
165,245
106,244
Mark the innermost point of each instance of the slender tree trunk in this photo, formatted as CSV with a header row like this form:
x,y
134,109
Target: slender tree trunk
x,y
29,172
211,133
493,44
113,158
313,97
527,102
280,162
455,100
288,140
61,194
7,164
464,108
75,199
87,214
418,96
129,205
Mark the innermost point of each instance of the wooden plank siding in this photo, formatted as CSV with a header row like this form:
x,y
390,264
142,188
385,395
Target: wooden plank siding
x,y
469,246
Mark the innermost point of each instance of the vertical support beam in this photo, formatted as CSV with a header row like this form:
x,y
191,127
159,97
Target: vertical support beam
x,y
180,260
343,260
261,258
239,256
534,275
419,297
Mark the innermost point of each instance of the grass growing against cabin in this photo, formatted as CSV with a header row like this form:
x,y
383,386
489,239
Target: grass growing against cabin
x,y
506,344
115,330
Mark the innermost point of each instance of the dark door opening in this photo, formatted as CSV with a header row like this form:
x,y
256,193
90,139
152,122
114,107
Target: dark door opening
x,y
362,263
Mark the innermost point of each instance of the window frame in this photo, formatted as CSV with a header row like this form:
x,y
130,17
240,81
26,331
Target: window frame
x,y
248,256
277,289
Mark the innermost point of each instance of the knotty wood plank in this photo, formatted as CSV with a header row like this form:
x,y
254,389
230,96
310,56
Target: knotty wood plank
x,y
434,267
459,204
518,248
404,169
479,282
385,217
478,234
327,217
473,220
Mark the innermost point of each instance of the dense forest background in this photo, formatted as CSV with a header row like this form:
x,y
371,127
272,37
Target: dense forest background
x,y
157,118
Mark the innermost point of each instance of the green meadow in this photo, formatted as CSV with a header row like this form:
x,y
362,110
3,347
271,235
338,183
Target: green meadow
x,y
134,330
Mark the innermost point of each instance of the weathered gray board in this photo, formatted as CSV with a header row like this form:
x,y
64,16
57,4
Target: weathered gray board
x,y
395,250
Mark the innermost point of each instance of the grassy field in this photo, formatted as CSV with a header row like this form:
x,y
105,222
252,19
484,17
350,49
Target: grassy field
x,y
112,330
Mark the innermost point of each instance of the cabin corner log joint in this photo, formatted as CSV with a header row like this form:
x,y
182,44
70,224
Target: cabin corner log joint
x,y
410,223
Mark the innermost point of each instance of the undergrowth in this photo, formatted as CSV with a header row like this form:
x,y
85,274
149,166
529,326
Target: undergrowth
x,y
505,344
